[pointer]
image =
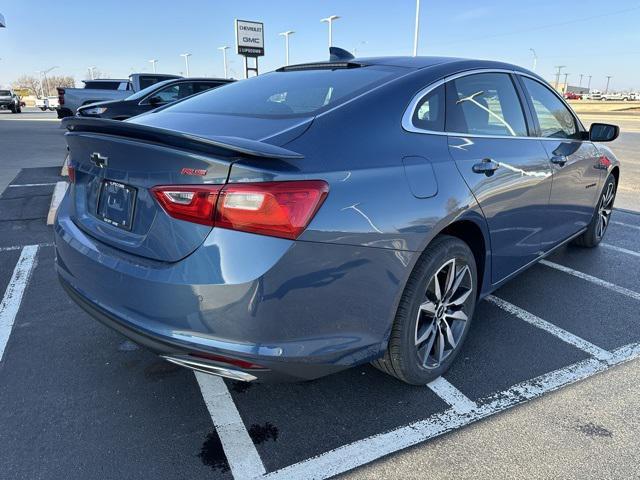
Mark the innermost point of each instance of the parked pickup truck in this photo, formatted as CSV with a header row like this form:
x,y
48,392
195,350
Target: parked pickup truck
x,y
10,101
616,96
101,90
47,103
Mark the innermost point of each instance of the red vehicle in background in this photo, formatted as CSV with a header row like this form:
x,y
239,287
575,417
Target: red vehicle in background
x,y
572,96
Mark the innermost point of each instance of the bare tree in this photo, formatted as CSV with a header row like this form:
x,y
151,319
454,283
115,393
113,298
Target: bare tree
x,y
34,85
29,82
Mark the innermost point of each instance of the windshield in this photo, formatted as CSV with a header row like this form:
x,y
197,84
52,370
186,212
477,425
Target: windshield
x,y
5,93
146,91
288,94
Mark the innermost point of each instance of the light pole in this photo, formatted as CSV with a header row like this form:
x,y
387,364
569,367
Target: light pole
x,y
224,59
46,82
559,67
330,20
606,90
91,69
286,44
589,84
416,29
153,62
565,82
580,82
535,59
186,61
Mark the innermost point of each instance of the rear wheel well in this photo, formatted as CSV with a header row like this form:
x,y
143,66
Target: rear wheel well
x,y
615,171
470,234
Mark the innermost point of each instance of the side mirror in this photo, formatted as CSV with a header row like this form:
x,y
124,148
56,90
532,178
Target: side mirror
x,y
155,100
603,132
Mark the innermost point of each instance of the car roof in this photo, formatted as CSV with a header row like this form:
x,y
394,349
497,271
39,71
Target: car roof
x,y
200,79
449,64
106,80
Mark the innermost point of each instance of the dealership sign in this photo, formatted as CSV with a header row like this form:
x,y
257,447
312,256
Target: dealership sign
x,y
250,38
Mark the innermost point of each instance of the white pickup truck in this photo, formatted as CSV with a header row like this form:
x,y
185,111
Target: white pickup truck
x,y
101,90
47,103
619,96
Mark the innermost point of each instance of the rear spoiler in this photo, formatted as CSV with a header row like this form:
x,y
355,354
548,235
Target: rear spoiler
x,y
216,145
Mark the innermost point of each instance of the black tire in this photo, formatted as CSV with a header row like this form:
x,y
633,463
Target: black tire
x,y
19,109
594,233
403,358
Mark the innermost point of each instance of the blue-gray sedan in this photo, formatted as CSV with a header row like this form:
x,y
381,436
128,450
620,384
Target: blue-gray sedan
x,y
325,215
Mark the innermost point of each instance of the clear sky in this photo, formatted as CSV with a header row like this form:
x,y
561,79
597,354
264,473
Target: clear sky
x,y
591,37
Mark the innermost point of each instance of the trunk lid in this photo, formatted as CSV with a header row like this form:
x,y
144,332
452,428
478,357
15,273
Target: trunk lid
x,y
116,165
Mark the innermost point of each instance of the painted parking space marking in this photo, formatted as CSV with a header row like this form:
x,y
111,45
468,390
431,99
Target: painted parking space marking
x,y
570,338
31,185
589,278
359,453
452,396
243,458
626,251
14,293
20,247
626,225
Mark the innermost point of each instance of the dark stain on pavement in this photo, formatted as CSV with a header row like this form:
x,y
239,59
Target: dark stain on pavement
x,y
241,387
262,433
592,430
212,453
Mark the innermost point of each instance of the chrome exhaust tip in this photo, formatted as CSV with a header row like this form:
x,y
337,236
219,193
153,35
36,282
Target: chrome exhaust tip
x,y
210,369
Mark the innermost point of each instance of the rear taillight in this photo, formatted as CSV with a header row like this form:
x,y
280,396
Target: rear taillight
x,y
60,96
191,203
280,209
71,171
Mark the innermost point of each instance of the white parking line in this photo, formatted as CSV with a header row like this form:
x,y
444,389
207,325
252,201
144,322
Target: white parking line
x,y
14,292
20,247
628,225
451,395
241,453
620,249
364,451
32,185
568,337
598,281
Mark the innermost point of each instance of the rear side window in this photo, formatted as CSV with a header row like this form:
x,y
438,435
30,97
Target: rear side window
x,y
429,112
148,80
288,94
102,85
484,104
201,87
5,93
554,118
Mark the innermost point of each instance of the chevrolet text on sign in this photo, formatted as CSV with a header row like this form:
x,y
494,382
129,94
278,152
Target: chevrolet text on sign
x,y
250,38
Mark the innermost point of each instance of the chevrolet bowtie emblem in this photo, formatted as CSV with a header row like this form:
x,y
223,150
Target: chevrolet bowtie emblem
x,y
98,160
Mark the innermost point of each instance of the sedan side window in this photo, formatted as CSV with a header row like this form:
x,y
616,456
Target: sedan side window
x,y
555,119
168,94
429,112
484,104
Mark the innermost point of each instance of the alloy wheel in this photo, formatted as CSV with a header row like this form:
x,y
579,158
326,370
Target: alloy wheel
x,y
443,314
604,209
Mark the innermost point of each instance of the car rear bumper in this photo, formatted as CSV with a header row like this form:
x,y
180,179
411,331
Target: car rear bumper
x,y
300,310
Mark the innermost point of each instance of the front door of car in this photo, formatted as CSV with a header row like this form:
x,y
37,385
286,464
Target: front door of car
x,y
575,163
508,173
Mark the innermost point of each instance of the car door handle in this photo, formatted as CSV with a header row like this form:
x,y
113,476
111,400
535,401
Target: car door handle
x,y
486,166
559,160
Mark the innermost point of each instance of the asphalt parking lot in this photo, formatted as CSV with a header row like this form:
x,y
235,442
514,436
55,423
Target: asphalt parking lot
x,y
77,400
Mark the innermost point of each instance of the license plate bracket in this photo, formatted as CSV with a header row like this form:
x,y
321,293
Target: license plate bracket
x,y
116,204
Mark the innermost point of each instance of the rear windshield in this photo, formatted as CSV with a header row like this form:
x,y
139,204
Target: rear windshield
x,y
288,94
4,93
